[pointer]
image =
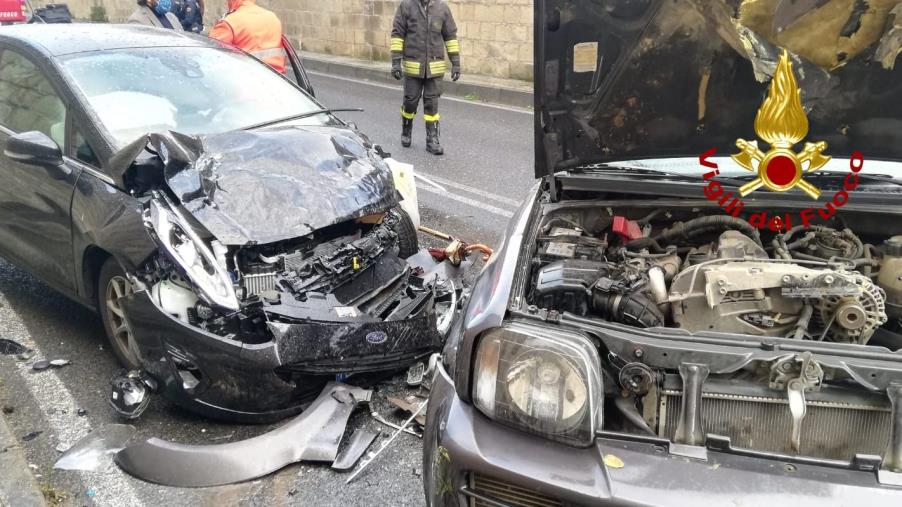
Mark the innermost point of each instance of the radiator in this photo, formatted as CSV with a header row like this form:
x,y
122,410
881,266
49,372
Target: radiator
x,y
255,284
830,430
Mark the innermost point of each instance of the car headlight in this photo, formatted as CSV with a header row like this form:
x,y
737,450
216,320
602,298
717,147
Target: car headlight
x,y
186,249
544,381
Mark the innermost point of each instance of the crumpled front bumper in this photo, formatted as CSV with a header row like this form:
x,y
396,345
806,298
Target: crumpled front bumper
x,y
461,444
264,382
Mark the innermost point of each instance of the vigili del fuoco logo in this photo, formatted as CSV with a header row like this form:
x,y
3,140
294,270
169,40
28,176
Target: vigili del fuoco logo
x,y
782,123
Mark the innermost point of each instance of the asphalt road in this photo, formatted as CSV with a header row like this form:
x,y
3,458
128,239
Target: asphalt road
x,y
486,171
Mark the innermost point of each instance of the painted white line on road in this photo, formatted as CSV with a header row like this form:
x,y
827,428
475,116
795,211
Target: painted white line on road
x,y
482,193
444,97
429,182
470,202
60,410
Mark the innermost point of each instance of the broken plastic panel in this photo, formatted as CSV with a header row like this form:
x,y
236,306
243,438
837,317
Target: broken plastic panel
x,y
360,442
312,436
11,348
92,452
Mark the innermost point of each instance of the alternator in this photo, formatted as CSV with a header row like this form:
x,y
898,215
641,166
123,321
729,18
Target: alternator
x,y
768,298
852,319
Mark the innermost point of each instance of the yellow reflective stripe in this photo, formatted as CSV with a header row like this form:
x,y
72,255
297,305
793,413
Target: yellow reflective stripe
x,y
437,67
397,44
411,67
431,117
453,46
407,115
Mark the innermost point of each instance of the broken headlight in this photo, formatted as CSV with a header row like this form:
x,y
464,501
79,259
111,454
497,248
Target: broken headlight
x,y
542,381
187,250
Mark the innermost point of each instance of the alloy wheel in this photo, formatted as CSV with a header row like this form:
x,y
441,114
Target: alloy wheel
x,y
117,288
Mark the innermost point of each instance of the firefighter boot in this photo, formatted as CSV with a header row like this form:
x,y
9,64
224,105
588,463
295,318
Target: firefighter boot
x,y
433,145
406,132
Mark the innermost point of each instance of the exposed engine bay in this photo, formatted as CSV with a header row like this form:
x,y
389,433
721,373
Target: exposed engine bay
x,y
688,273
351,272
717,273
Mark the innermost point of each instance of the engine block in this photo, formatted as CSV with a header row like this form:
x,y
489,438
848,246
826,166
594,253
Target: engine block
x,y
769,298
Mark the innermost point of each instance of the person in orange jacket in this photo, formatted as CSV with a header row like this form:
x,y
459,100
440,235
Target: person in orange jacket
x,y
253,29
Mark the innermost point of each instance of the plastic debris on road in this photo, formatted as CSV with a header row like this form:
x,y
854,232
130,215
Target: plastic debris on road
x,y
94,451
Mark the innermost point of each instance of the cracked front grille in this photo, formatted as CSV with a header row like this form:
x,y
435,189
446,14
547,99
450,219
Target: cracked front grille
x,y
506,493
830,430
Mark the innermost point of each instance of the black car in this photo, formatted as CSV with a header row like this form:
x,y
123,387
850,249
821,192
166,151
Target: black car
x,y
243,245
700,302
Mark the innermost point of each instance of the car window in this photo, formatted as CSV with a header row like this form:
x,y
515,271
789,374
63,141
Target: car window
x,y
191,90
83,151
27,99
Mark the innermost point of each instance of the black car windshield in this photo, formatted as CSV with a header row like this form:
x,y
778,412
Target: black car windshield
x,y
191,90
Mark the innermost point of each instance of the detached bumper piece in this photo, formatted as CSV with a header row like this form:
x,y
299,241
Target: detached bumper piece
x,y
312,436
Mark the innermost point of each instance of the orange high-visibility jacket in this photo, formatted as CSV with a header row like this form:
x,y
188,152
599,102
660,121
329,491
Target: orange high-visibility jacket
x,y
253,29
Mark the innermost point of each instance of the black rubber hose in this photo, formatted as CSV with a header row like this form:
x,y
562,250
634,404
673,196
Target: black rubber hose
x,y
686,230
631,309
859,246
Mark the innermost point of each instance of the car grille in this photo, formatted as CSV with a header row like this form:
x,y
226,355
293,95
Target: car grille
x,y
505,493
830,430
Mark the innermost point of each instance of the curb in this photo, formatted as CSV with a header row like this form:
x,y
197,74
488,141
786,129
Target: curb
x,y
487,93
17,486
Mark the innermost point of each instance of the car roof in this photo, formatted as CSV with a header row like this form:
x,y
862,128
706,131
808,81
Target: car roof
x,y
63,39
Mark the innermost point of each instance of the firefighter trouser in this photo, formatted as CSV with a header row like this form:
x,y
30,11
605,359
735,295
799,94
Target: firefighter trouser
x,y
429,89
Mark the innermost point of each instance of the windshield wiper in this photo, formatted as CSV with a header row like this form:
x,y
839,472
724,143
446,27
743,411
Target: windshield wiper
x,y
630,171
841,176
301,116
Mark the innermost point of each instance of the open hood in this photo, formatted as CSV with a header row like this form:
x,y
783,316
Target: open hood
x,y
636,79
258,187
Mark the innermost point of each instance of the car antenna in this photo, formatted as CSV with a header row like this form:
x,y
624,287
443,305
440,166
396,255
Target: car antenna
x,y
369,459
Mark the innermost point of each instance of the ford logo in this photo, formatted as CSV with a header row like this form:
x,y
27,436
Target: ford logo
x,y
376,337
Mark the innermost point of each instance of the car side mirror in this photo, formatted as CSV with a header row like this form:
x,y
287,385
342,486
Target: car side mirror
x,y
34,148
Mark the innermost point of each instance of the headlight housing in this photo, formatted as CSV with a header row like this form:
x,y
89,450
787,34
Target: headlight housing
x,y
186,249
544,381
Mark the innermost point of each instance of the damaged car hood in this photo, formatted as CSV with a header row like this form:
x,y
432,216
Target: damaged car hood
x,y
639,79
264,186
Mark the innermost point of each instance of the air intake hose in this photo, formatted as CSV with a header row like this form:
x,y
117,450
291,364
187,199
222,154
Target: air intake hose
x,y
632,308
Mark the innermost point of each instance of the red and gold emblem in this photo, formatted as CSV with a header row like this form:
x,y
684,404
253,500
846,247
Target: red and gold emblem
x,y
782,123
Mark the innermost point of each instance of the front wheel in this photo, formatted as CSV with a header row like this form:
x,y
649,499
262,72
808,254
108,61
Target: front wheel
x,y
112,286
408,240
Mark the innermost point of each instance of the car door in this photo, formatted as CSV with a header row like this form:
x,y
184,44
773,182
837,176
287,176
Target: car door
x,y
35,218
294,68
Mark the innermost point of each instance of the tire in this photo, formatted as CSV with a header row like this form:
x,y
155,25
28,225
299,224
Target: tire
x,y
408,240
111,283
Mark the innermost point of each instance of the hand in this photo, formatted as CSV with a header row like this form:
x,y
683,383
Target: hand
x,y
455,75
396,72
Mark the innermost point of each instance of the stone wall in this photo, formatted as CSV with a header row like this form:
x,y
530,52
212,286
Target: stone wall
x,y
495,35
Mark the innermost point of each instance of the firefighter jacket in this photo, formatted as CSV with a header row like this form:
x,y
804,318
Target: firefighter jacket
x,y
422,31
252,29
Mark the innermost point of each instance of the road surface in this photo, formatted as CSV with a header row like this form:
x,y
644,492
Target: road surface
x,y
487,169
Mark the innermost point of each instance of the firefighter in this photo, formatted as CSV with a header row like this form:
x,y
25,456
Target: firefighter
x,y
253,29
422,31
